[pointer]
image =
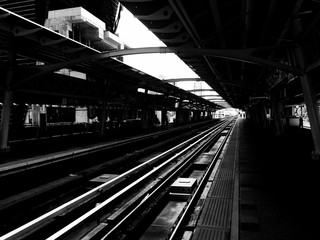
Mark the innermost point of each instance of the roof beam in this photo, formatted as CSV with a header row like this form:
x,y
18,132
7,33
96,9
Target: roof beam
x,y
50,42
246,25
213,96
171,28
216,100
246,20
285,29
217,21
313,66
242,55
268,18
187,23
201,90
311,25
182,80
4,15
21,32
226,31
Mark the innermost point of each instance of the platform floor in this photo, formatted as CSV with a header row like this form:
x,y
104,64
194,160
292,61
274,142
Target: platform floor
x,y
275,188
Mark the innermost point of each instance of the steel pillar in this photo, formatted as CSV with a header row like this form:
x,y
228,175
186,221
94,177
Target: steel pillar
x,y
308,93
164,118
7,104
196,115
277,114
5,121
263,114
144,112
179,116
104,111
103,118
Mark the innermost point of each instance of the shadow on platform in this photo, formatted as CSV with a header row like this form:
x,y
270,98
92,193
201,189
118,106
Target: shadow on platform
x,y
278,184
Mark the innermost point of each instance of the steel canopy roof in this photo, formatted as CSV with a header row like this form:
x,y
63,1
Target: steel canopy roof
x,y
34,43
263,27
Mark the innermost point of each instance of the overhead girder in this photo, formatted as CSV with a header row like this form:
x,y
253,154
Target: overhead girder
x,y
201,90
242,55
212,96
183,16
285,29
171,28
217,21
267,22
182,80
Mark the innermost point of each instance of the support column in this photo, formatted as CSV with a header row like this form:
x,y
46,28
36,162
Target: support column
x,y
5,121
209,114
144,112
263,114
104,111
164,118
7,104
195,116
277,115
164,112
179,114
103,118
308,94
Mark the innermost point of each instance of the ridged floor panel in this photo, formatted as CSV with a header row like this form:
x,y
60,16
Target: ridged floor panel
x,y
222,189
215,219
216,213
203,233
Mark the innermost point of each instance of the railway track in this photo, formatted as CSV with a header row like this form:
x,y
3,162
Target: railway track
x,y
170,211
104,210
44,173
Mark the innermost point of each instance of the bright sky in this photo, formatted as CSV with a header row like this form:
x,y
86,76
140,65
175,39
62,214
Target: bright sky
x,y
163,66
133,33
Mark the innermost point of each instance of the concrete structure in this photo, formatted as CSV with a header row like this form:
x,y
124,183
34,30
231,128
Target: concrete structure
x,y
79,24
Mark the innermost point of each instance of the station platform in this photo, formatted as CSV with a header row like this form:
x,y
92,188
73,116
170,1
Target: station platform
x,y
265,188
42,147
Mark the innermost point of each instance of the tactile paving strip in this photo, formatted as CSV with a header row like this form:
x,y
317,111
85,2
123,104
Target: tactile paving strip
x,y
227,165
202,233
216,216
222,189
216,213
225,174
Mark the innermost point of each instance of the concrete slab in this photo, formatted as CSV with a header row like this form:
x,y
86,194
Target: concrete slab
x,y
161,226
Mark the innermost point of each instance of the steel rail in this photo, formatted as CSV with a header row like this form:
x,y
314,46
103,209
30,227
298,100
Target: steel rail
x,y
198,190
167,179
91,174
62,232
65,155
34,224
